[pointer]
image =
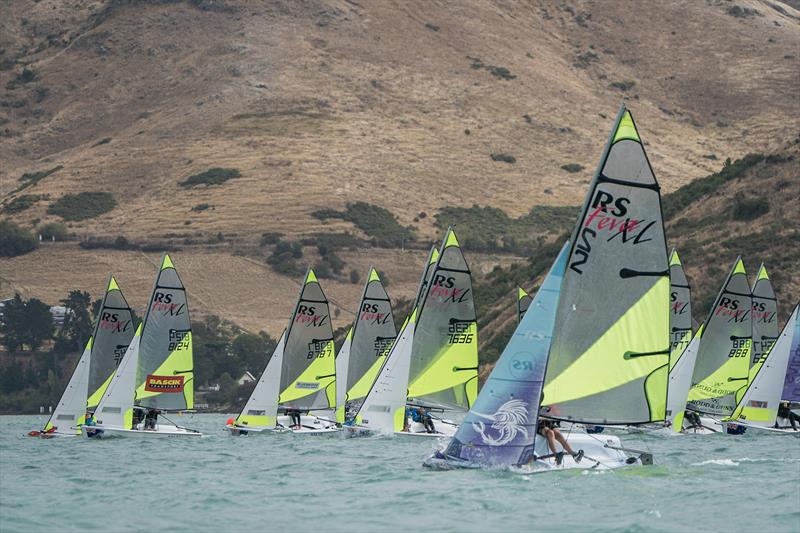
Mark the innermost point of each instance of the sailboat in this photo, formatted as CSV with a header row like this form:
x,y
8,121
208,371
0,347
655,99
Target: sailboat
x,y
721,372
607,360
433,364
523,303
156,374
300,376
113,332
365,347
759,405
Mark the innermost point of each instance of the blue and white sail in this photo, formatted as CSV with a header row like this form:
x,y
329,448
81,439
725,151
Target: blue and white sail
x,y
500,428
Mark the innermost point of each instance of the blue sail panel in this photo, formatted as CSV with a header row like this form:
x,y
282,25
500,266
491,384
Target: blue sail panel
x,y
791,385
500,428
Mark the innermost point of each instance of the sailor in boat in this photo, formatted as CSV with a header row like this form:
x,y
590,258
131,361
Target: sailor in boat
x,y
784,411
427,420
89,423
294,418
137,418
692,419
150,419
549,430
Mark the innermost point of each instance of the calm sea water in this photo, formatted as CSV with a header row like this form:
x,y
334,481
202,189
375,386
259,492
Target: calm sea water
x,y
328,483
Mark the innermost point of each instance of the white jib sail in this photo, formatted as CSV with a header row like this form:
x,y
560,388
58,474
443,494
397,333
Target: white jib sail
x,y
680,380
116,406
385,406
72,406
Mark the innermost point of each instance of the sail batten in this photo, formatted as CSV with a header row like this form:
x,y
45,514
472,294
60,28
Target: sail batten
x,y
609,357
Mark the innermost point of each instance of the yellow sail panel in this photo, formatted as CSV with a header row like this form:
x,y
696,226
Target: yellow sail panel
x,y
94,399
256,420
450,367
600,367
362,387
176,364
318,375
725,380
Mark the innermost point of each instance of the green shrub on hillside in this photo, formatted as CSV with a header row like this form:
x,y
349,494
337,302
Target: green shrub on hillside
x,y
82,206
572,167
32,178
749,208
677,201
15,240
504,158
490,229
23,202
284,258
212,176
375,221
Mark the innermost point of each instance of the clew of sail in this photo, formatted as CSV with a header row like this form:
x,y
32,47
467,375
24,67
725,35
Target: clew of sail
x,y
759,404
609,355
308,373
765,319
500,428
444,359
261,409
723,359
523,302
165,369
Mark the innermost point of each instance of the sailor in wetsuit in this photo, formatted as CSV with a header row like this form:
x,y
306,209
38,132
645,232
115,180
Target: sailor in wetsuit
x,y
294,418
785,412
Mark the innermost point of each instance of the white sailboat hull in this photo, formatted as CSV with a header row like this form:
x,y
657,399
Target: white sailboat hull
x,y
600,453
443,429
309,425
161,430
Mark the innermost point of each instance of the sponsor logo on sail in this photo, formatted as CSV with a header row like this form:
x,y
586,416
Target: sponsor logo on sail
x,y
164,384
